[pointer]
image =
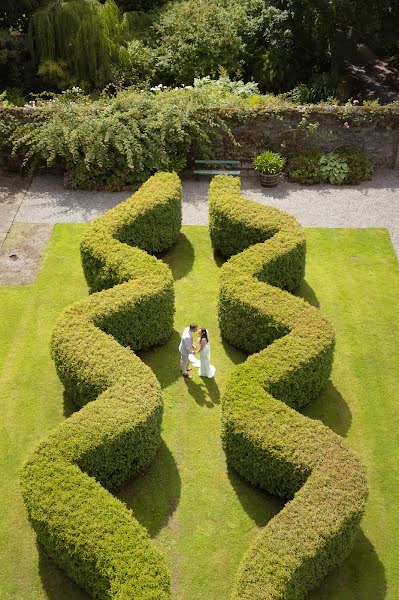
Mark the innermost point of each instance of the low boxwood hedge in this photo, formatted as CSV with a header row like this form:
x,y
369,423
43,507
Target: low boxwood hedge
x,y
87,531
265,440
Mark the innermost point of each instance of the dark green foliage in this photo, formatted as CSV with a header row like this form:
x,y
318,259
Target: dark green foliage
x,y
16,67
279,43
321,88
82,38
14,13
88,532
196,38
305,166
138,5
358,163
265,439
290,41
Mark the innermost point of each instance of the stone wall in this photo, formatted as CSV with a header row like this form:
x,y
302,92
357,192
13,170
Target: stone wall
x,y
281,131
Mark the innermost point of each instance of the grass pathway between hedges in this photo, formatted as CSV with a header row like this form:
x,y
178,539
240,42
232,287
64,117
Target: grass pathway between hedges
x,y
199,513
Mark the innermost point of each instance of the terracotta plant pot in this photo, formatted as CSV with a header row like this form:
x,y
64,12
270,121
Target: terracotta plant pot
x,y
268,180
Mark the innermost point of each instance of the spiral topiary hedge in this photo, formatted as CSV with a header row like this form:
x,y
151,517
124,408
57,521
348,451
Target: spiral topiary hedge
x,y
87,531
268,442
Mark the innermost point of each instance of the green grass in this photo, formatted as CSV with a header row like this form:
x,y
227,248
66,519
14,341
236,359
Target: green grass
x,y
199,513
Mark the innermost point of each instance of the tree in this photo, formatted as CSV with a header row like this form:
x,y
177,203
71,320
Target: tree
x,y
15,13
138,5
196,38
81,39
289,41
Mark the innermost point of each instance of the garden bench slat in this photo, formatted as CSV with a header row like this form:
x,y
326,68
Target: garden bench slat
x,y
215,172
218,162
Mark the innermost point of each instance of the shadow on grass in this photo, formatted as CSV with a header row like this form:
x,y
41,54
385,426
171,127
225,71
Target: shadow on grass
x,y
56,583
180,258
218,258
258,504
361,576
205,393
331,409
154,495
307,293
164,360
235,355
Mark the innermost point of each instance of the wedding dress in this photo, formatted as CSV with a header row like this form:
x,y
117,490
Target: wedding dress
x,y
205,367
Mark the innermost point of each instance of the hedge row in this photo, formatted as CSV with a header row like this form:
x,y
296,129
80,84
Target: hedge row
x,y
266,441
87,531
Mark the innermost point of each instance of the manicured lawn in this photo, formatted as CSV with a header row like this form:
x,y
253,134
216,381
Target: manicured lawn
x,y
199,513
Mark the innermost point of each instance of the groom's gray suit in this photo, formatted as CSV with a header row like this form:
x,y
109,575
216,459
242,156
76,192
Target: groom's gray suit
x,y
185,348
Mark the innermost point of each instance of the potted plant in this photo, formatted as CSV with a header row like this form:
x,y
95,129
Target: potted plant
x,y
269,166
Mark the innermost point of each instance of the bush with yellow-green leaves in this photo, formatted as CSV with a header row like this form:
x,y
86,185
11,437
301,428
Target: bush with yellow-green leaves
x,y
87,531
265,439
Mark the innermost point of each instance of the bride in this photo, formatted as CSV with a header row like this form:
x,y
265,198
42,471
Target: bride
x,y
203,347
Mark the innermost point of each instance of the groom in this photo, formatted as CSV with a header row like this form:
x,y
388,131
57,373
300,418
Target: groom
x,y
186,347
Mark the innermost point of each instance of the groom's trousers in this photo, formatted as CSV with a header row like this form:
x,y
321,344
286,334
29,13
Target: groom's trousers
x,y
183,362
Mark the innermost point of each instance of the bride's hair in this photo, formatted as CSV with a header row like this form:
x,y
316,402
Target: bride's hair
x,y
204,334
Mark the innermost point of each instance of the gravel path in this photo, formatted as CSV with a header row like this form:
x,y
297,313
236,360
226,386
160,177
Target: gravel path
x,y
12,191
371,204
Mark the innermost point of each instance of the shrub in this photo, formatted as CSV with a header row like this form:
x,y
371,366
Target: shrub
x,y
334,169
12,97
136,65
77,42
265,440
343,165
323,87
269,162
236,223
305,167
88,532
55,74
358,164
228,86
150,219
195,38
115,142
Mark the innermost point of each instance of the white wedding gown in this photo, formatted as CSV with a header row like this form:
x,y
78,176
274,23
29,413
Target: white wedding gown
x,y
205,367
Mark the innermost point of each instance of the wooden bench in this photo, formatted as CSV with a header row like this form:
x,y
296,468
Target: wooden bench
x,y
232,170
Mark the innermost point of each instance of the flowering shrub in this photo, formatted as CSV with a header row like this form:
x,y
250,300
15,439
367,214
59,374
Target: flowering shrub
x,y
114,143
226,85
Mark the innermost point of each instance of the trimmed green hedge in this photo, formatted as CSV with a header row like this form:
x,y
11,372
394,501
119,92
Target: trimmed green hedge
x,y
87,531
266,441
149,220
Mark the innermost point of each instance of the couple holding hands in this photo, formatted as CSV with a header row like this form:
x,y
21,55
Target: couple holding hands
x,y
188,349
